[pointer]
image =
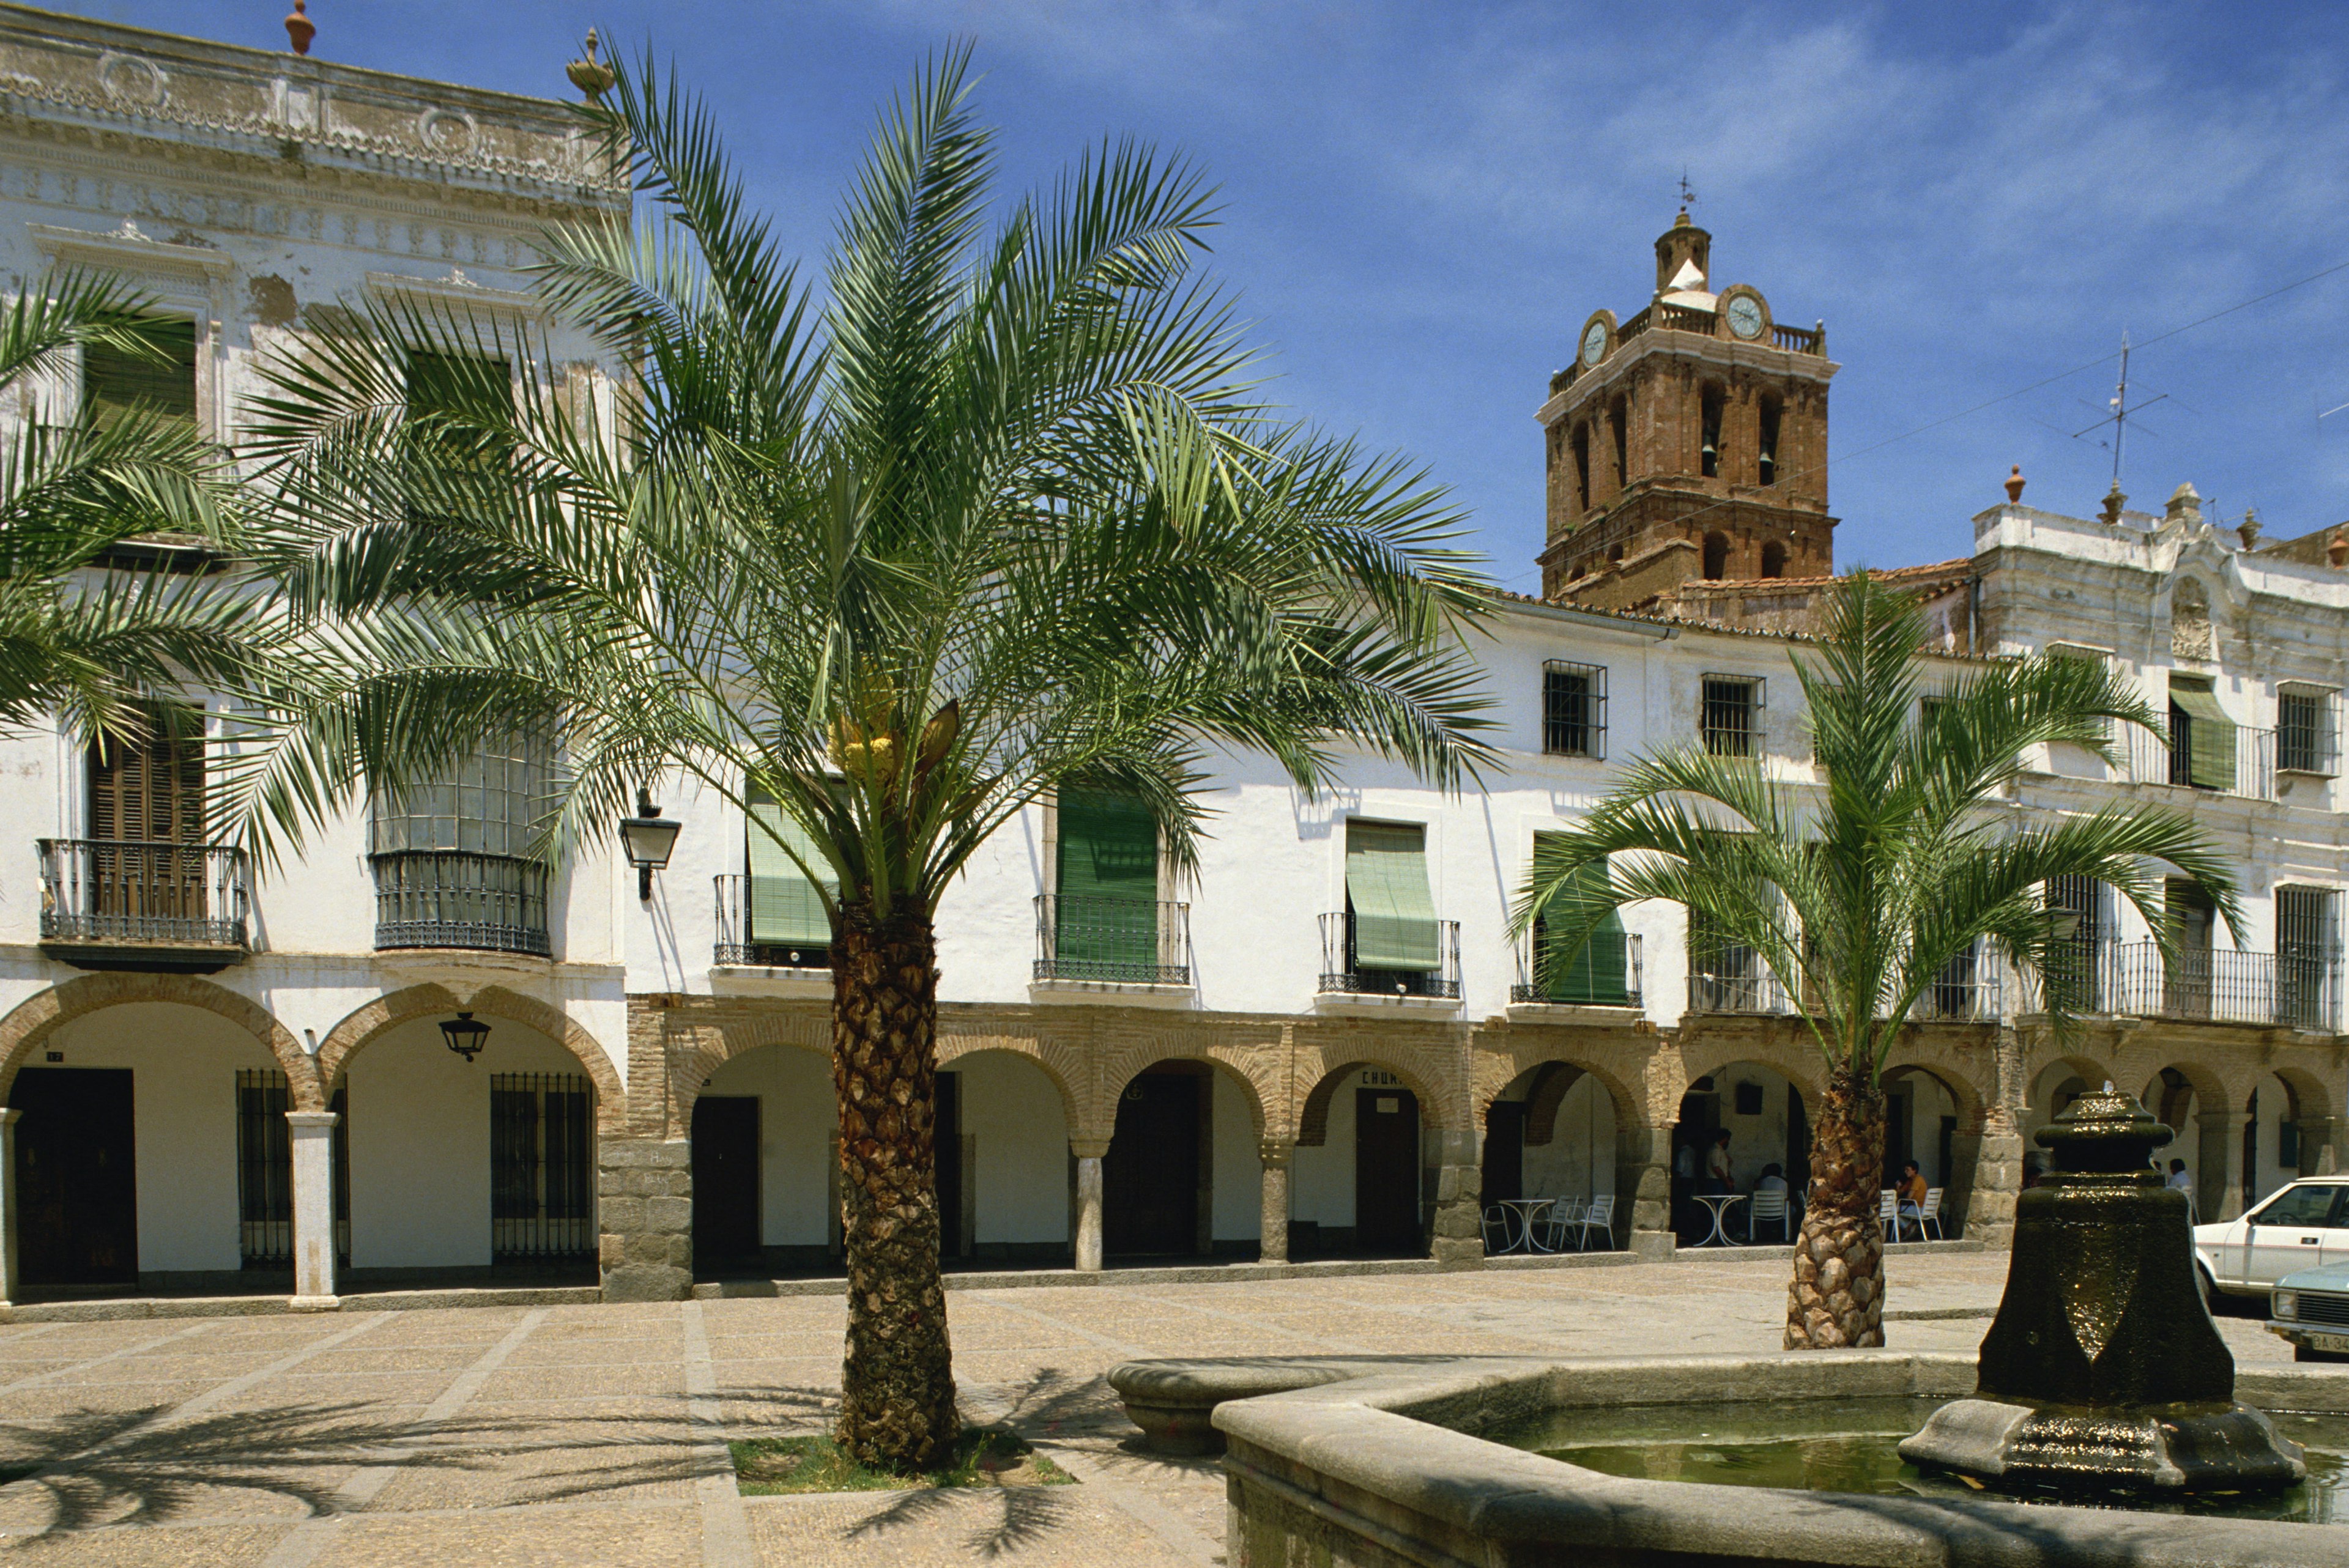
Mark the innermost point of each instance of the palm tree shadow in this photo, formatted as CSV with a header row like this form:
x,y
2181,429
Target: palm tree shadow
x,y
1022,1515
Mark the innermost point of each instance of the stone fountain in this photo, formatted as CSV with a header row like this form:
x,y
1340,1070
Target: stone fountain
x,y
2103,1370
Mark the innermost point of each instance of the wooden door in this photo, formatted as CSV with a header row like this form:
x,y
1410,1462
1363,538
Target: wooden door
x,y
1150,1181
77,1176
946,1142
1504,1151
725,1182
1386,1173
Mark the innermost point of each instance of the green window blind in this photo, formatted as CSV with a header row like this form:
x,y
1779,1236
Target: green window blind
x,y
785,908
2210,734
1106,911
113,382
1596,973
1386,881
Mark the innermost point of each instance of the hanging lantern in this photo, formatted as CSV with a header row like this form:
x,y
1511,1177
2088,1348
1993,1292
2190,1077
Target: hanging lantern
x,y
466,1036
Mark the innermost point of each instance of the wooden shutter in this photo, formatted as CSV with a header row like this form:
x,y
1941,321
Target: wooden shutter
x,y
1394,913
1593,974
1106,909
785,908
2210,734
148,789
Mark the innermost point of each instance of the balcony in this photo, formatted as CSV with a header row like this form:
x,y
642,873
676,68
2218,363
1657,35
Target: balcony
x,y
120,904
461,899
1606,974
1733,980
1347,971
2251,773
1970,990
2200,986
1092,939
739,946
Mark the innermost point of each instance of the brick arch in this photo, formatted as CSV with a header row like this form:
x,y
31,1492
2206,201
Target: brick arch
x,y
1313,1116
1133,1064
1554,1087
954,1049
2310,1096
714,1043
1968,1099
368,1024
34,1020
2212,1090
1710,1062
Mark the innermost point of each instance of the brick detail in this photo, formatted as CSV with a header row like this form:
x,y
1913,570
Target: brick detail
x,y
644,1191
34,1020
364,1025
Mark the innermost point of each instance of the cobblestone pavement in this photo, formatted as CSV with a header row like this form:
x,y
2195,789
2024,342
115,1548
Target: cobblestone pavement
x,y
593,1434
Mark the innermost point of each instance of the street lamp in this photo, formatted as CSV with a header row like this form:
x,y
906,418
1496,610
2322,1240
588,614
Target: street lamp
x,y
466,1036
647,837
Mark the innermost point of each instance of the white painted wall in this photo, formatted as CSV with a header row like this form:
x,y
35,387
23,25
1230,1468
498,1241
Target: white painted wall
x,y
1321,1178
1754,1141
1015,1115
1239,1168
420,1141
183,1063
1578,1162
797,1116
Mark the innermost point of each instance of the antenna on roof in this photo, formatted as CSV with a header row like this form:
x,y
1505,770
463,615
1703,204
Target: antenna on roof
x,y
1687,195
2121,411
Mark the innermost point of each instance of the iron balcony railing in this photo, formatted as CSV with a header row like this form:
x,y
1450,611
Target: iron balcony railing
x,y
459,899
2153,760
1342,977
1969,989
1733,980
1605,973
1113,940
137,891
2205,985
739,945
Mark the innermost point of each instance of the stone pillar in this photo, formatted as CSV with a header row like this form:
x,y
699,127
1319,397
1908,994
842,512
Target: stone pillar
x,y
1455,1233
644,1201
1997,1175
1643,1189
2316,1152
1089,1204
2220,1171
1277,1157
313,1210
8,1265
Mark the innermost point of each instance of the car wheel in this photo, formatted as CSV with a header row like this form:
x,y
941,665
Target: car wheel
x,y
2303,1353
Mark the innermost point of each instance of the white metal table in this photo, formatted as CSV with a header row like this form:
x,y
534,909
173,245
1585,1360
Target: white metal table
x,y
1719,1203
1526,1211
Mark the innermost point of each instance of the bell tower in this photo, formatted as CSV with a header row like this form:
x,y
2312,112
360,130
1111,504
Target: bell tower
x,y
1687,441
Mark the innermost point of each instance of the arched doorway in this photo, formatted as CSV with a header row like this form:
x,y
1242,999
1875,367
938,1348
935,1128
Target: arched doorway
x,y
764,1201
2271,1138
2170,1096
1769,1134
1182,1178
1007,1178
1359,1185
1549,1133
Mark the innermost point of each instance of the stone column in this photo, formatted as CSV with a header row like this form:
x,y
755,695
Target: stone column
x,y
644,1201
1997,1177
2220,1173
1088,1204
2316,1151
1455,1234
8,1265
1643,1189
313,1210
1277,1157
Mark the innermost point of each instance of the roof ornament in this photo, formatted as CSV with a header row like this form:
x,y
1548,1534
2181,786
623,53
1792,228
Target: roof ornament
x,y
590,75
1687,280
2249,527
299,28
2185,504
2015,485
2114,501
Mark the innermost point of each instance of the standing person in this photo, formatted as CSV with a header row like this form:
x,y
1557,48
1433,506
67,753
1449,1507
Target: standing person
x,y
2182,1181
1683,1188
1910,1198
1718,1172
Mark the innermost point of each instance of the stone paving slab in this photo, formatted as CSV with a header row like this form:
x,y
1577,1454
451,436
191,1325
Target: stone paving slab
x,y
562,1433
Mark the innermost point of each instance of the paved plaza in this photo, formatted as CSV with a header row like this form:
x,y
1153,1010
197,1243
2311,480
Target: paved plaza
x,y
593,1434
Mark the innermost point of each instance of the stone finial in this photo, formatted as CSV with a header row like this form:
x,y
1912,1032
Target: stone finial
x,y
299,28
2336,549
590,75
2015,485
2185,504
2249,527
2114,501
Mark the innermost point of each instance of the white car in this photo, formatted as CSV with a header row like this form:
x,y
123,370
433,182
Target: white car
x,y
2303,1226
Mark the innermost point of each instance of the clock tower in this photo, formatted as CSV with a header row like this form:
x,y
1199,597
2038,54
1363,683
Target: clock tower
x,y
1687,442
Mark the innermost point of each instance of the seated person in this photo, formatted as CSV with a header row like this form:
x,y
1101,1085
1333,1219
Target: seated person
x,y
1719,1174
2183,1182
1773,1180
1910,1197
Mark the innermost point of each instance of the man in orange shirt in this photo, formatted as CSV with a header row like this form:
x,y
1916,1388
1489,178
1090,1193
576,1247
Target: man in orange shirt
x,y
1909,1197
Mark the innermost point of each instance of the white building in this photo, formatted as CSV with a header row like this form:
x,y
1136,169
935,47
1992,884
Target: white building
x,y
1324,1044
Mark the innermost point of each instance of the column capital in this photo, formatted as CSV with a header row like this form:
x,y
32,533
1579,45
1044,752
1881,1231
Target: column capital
x,y
1277,1154
1088,1148
8,1115
311,1121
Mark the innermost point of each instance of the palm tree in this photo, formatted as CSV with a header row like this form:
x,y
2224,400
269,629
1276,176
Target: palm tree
x,y
998,514
104,650
1858,898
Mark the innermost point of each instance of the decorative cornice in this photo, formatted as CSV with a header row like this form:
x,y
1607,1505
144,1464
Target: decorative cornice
x,y
127,248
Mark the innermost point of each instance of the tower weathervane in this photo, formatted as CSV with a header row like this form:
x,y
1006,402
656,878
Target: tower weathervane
x,y
1687,195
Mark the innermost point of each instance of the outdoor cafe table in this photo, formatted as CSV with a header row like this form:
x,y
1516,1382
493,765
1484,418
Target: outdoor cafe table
x,y
1719,1203
1527,1209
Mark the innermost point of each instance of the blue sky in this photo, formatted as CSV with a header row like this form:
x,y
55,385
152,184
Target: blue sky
x,y
1423,202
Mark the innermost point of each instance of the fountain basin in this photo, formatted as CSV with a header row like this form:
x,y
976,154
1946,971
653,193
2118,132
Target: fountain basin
x,y
1402,1469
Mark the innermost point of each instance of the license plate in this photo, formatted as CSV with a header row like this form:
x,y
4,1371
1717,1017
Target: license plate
x,y
2334,1342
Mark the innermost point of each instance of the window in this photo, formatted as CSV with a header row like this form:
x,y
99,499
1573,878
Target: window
x,y
452,859
2310,1206
2303,731
1620,416
1105,918
2304,945
452,396
2074,965
149,788
1774,560
264,1169
1716,557
541,1196
114,382
1574,709
1582,466
787,927
1709,454
1730,716
1390,911
1595,974
1771,412
2201,736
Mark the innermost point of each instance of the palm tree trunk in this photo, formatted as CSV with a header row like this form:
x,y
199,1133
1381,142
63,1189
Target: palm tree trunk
x,y
897,1392
1837,1301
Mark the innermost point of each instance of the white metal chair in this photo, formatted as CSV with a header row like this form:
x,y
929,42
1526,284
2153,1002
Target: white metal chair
x,y
1599,1217
1769,1208
1496,1217
1930,1214
1889,1211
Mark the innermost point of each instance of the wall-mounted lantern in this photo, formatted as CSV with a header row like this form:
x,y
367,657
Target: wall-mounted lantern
x,y
466,1036
647,837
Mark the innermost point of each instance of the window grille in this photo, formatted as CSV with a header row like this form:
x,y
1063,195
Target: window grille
x,y
1574,709
264,1169
2075,963
2303,732
541,1197
451,859
2304,956
1730,716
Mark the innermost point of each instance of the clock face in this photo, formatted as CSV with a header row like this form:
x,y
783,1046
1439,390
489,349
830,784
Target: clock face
x,y
1745,315
1594,343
